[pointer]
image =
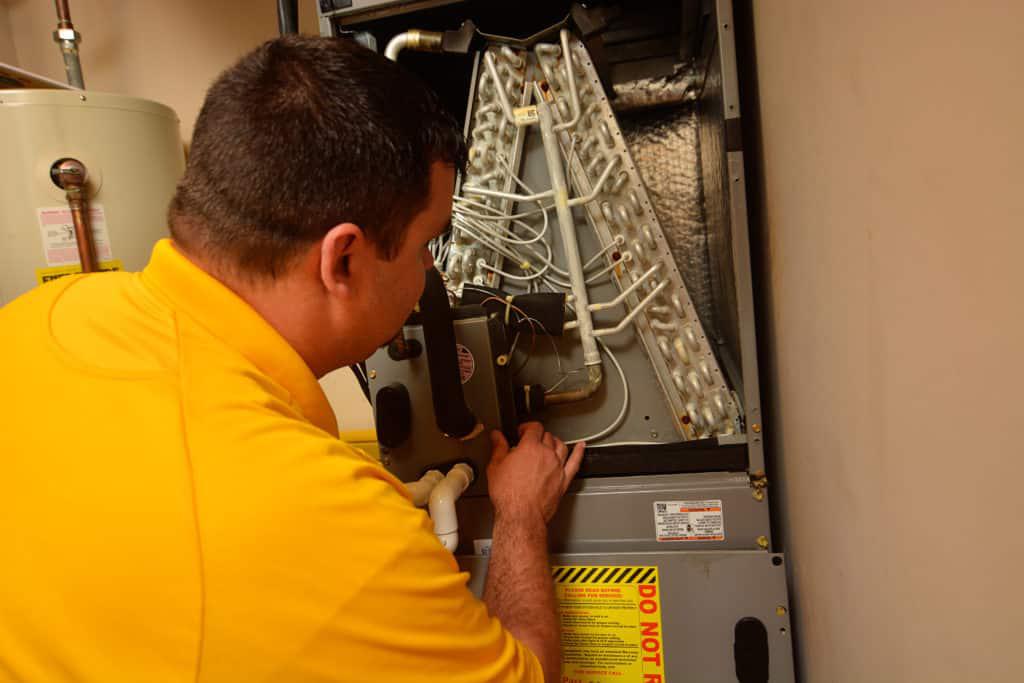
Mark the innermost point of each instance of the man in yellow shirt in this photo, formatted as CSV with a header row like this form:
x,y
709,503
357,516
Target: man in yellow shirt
x,y
176,503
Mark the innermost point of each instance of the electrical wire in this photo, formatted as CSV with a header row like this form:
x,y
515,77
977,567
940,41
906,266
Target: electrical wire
x,y
617,422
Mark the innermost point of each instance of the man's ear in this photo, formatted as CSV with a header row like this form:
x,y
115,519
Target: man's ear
x,y
341,243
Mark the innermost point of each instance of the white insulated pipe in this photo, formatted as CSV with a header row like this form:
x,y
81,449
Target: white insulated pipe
x,y
442,504
396,45
567,227
421,488
574,96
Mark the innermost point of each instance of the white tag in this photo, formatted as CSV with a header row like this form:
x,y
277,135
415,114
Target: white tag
x,y
482,546
58,232
524,116
689,520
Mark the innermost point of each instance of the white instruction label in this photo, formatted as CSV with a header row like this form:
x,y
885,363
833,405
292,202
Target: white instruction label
x,y
689,520
524,116
482,546
58,232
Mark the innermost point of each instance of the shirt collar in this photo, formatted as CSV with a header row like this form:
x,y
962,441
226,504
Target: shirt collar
x,y
227,316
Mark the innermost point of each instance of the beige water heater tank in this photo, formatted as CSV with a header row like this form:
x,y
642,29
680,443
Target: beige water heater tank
x,y
133,156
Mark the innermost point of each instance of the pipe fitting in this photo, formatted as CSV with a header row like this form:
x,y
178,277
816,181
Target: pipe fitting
x,y
421,489
442,504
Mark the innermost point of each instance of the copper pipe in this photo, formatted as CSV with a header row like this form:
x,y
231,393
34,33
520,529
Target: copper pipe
x,y
68,38
70,175
63,14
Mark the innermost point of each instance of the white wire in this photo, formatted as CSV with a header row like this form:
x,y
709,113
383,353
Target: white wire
x,y
625,401
631,443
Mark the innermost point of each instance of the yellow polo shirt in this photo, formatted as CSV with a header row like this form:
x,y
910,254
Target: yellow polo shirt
x,y
175,505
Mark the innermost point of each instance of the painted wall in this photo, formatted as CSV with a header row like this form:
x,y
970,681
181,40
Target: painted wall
x,y
164,51
7,52
893,205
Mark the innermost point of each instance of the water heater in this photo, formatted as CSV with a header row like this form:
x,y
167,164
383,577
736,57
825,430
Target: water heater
x,y
132,156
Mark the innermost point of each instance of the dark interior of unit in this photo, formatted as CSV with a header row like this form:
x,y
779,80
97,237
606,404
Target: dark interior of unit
x,y
659,64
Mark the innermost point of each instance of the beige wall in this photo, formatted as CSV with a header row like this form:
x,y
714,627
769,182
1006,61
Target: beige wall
x,y
7,51
894,201
165,51
169,52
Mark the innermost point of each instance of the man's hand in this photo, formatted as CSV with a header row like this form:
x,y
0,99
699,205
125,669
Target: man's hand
x,y
526,484
527,481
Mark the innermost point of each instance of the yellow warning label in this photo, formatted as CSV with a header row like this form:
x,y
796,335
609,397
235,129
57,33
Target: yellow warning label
x,y
44,275
611,624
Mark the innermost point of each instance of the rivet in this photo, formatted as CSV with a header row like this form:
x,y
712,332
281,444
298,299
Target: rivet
x,y
502,360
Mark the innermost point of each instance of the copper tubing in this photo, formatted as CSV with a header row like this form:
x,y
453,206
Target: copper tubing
x,y
63,14
68,38
70,175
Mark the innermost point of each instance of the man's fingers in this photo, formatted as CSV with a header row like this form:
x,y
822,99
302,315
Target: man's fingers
x,y
531,431
499,446
561,450
572,465
548,440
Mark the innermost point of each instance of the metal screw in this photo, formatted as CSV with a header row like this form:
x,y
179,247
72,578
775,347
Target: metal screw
x,y
654,435
82,97
756,428
502,360
762,542
372,374
780,610
758,495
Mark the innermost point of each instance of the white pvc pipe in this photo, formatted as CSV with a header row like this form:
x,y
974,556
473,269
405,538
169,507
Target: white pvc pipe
x,y
421,488
442,504
396,45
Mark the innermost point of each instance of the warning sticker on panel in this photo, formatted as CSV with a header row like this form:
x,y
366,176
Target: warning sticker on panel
x,y
689,520
58,231
44,275
610,619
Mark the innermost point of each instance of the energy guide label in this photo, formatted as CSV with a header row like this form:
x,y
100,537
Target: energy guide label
x,y
689,520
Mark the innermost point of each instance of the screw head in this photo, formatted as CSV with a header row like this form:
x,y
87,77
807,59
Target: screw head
x,y
756,428
502,360
654,435
762,542
372,374
758,495
780,610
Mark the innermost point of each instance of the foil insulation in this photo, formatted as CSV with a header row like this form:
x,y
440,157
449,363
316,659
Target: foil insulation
x,y
664,142
645,93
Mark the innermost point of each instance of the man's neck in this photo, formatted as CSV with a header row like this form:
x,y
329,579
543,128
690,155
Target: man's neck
x,y
285,303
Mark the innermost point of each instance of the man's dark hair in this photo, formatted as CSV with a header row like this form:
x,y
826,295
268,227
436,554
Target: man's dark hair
x,y
300,135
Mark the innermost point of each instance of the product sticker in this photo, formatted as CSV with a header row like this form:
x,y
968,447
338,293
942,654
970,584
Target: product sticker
x,y
44,275
58,231
482,546
524,116
611,624
467,364
689,520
